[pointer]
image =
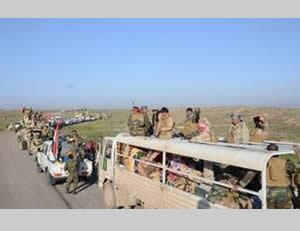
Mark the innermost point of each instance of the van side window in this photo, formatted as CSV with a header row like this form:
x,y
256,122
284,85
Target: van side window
x,y
108,149
213,181
144,162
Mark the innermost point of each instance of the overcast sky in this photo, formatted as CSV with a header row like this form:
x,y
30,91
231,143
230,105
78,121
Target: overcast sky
x,y
109,63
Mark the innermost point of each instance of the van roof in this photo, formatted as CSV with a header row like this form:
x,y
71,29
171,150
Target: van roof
x,y
252,157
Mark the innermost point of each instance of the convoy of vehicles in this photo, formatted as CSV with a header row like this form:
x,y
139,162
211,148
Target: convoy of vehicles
x,y
124,184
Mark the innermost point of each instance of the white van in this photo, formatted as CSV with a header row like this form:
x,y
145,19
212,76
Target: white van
x,y
126,181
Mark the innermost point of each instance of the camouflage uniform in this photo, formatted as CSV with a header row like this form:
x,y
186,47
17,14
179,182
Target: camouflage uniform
x,y
238,134
224,196
279,195
138,124
77,146
148,125
72,167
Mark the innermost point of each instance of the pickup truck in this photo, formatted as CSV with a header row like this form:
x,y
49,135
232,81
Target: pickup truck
x,y
54,168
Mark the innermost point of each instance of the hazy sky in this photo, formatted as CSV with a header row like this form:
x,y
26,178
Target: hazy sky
x,y
111,62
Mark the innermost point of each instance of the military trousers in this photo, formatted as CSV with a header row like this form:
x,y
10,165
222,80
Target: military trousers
x,y
279,198
73,178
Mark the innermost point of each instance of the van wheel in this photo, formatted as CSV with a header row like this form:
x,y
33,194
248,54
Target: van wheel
x,y
50,179
110,200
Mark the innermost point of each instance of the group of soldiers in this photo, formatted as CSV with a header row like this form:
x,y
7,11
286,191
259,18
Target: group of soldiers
x,y
33,130
161,126
196,128
283,176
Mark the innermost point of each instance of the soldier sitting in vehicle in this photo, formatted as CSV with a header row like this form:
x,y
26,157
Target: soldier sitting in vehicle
x,y
238,178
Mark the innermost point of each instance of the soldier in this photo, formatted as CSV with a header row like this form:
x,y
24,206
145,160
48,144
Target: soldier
x,y
137,123
279,194
190,125
238,132
205,134
72,167
77,144
260,133
149,127
37,142
165,125
297,175
231,198
45,132
155,119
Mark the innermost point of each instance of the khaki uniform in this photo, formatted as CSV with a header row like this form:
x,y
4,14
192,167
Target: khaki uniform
x,y
37,143
138,124
190,128
238,134
279,195
165,127
29,123
259,135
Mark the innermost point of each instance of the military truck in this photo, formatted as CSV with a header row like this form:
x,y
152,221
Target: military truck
x,y
169,174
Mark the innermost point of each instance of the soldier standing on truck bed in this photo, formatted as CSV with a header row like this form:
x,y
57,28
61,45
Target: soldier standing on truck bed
x,y
165,125
238,131
149,127
72,167
260,133
137,123
191,124
155,120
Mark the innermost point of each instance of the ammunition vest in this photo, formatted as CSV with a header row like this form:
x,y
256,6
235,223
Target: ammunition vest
x,y
277,173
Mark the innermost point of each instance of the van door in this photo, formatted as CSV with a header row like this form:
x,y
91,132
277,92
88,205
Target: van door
x,y
106,161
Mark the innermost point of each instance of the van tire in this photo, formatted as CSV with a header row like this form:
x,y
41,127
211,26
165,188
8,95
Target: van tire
x,y
110,200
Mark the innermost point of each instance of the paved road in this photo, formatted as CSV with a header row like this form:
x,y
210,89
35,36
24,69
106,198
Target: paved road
x,y
22,187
